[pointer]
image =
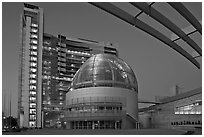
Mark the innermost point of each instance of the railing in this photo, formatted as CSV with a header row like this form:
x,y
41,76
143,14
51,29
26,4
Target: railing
x,y
102,113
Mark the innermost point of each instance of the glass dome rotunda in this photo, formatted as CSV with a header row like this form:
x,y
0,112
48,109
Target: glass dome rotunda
x,y
104,70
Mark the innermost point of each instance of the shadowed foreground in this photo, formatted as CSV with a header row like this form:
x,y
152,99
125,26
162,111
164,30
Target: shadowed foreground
x,y
101,132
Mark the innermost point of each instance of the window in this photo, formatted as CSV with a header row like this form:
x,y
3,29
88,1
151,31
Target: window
x,y
33,47
33,117
33,64
33,69
34,30
33,58
32,81
33,93
34,36
32,87
32,75
34,41
32,98
32,105
31,124
33,53
194,108
34,25
32,111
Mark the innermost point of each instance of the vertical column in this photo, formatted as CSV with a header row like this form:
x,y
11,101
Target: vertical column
x,y
39,94
25,90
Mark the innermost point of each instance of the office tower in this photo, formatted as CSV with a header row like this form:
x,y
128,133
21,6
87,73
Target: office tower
x,y
30,78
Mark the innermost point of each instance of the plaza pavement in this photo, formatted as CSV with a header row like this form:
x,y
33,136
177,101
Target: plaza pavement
x,y
100,132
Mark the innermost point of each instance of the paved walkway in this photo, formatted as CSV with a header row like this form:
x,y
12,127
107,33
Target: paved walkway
x,y
98,132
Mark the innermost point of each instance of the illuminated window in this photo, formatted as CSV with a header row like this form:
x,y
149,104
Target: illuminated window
x,y
31,124
33,117
34,36
34,41
33,93
33,53
32,87
45,77
32,75
33,47
33,69
34,25
33,58
33,64
32,81
32,98
32,111
194,108
32,105
34,30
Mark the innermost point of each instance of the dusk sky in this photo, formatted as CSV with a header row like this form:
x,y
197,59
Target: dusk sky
x,y
157,67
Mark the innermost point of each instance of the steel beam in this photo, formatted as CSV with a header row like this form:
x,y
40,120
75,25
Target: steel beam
x,y
167,23
110,8
180,8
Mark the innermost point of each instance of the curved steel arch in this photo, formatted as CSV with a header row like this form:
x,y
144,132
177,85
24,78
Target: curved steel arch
x,y
180,8
110,8
167,23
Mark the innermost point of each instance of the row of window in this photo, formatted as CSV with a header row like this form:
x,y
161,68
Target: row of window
x,y
94,108
187,123
106,124
46,77
34,25
48,48
78,52
61,59
46,62
64,78
194,108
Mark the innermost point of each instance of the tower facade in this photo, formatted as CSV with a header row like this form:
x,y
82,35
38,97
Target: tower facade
x,y
30,78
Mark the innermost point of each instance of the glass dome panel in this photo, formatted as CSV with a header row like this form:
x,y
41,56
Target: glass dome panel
x,y
105,69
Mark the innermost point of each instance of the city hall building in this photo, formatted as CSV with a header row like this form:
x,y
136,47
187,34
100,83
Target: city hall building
x,y
103,95
47,66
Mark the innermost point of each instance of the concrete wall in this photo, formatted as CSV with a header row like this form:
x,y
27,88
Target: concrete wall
x,y
128,98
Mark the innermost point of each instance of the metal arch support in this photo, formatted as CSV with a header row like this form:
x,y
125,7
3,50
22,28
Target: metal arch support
x,y
180,8
110,8
148,102
167,23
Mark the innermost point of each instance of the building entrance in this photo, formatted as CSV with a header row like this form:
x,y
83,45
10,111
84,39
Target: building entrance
x,y
102,124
